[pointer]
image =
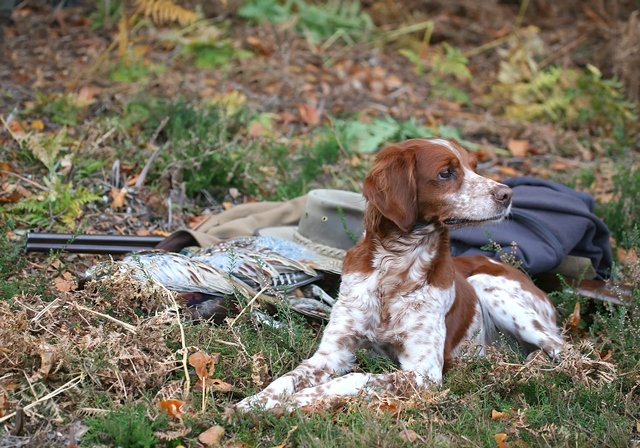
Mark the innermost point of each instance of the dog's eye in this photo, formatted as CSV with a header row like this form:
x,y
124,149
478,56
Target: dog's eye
x,y
445,174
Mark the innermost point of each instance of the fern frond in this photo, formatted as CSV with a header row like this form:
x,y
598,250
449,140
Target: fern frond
x,y
166,11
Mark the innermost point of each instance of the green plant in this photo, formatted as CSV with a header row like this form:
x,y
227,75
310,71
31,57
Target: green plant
x,y
446,67
132,68
206,44
318,22
61,109
59,200
127,427
107,14
622,212
569,97
369,136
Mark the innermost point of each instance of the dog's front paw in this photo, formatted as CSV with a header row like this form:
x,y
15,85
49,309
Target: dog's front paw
x,y
258,401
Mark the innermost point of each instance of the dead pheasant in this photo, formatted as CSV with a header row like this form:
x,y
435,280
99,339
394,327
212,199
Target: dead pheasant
x,y
267,268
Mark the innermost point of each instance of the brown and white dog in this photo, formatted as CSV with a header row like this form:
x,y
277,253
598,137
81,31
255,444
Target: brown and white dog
x,y
404,294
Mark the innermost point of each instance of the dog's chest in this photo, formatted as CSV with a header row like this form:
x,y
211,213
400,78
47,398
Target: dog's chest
x,y
383,315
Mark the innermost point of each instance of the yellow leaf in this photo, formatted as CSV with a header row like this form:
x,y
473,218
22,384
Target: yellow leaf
x,y
500,440
37,125
497,415
175,408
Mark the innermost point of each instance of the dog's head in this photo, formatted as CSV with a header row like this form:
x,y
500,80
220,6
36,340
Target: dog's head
x,y
433,180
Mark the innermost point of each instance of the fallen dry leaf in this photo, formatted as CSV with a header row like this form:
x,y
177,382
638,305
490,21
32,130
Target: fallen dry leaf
x,y
175,408
508,171
220,386
212,436
259,370
118,197
65,282
519,148
559,165
86,95
574,319
47,356
256,129
16,128
258,45
309,114
37,125
497,415
4,404
409,435
500,440
12,193
203,363
624,256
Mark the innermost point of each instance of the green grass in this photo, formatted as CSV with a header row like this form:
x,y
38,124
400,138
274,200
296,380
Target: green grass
x,y
127,427
12,262
622,212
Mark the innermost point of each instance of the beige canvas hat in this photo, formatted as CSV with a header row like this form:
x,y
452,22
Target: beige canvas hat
x,y
329,226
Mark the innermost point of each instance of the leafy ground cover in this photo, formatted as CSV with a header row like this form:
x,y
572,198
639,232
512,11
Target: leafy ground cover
x,y
144,117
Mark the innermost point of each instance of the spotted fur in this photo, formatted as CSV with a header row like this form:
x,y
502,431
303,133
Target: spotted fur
x,y
404,295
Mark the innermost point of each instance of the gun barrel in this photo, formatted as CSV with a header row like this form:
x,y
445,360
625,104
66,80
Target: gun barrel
x,y
91,244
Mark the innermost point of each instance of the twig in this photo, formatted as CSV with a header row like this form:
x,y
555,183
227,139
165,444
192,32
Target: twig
x,y
127,326
183,338
58,391
45,309
154,156
29,181
247,306
488,46
562,51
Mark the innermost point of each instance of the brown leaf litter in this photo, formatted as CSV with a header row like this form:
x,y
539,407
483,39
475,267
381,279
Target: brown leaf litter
x,y
581,362
113,336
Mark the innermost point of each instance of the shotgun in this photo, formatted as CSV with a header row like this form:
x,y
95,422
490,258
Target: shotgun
x,y
89,244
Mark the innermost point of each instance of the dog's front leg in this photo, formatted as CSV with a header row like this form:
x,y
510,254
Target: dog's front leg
x,y
420,351
423,349
335,355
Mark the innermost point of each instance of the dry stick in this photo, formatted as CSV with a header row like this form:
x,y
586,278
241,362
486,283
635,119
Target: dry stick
x,y
154,156
183,338
204,394
562,51
58,391
248,305
127,326
29,181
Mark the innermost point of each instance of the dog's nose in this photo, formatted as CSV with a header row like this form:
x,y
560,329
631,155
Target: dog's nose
x,y
502,194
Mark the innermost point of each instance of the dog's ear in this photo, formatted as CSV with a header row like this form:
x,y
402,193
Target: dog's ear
x,y
391,186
